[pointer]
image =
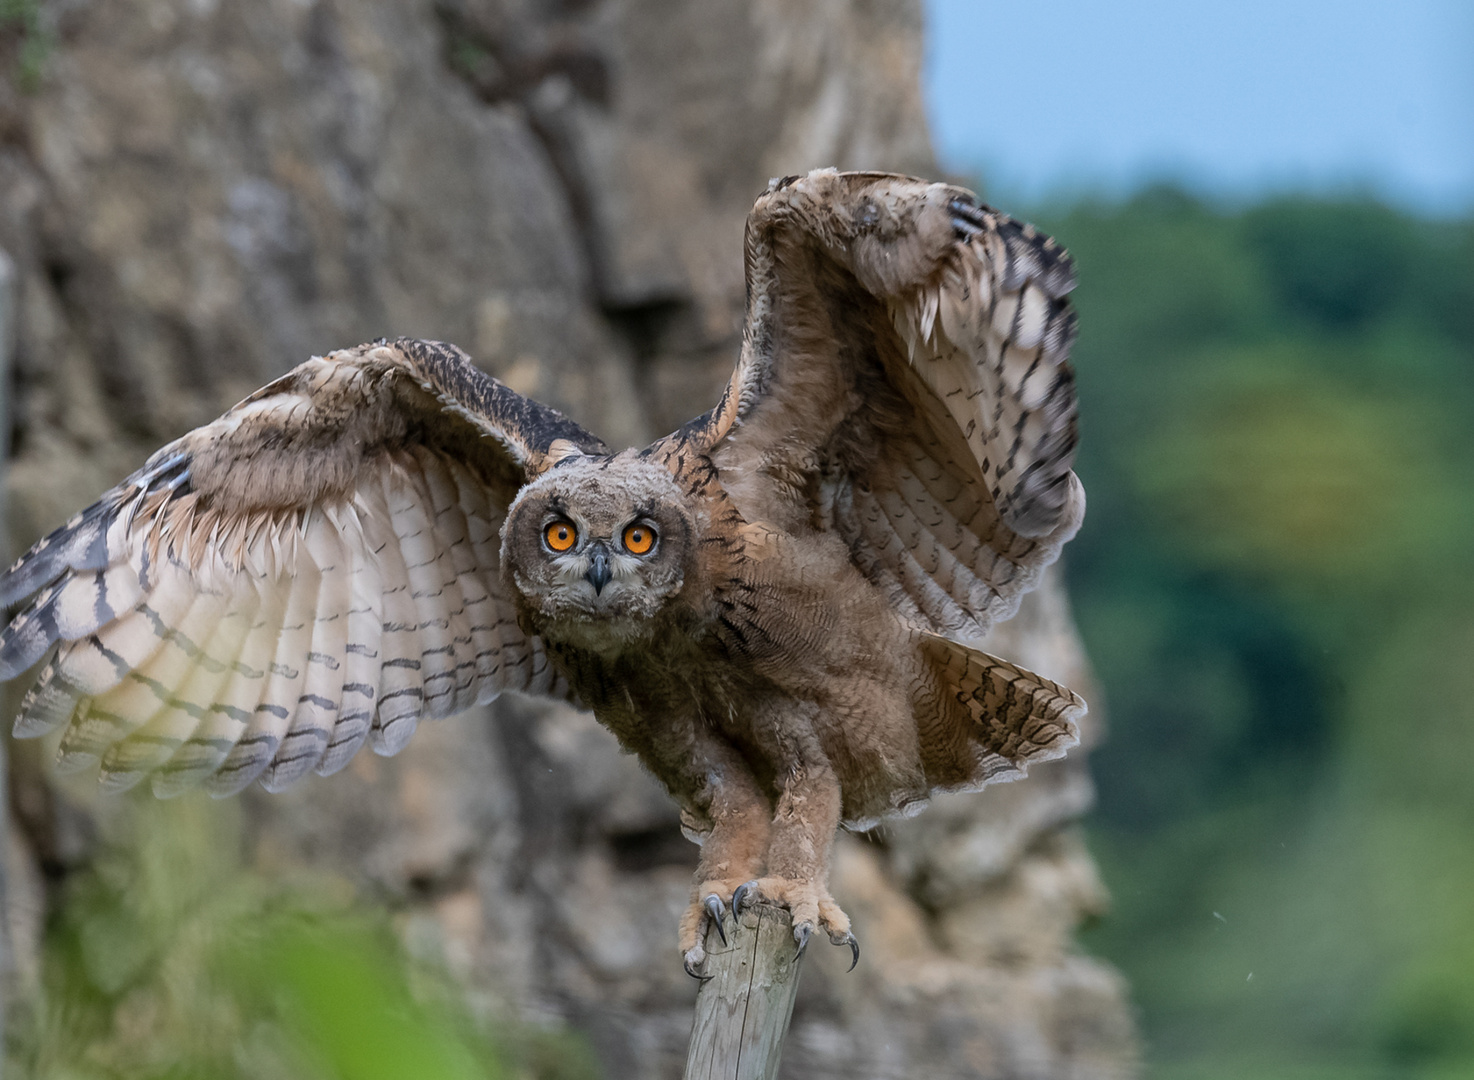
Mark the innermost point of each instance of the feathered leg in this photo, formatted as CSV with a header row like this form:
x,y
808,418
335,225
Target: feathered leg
x,y
806,819
732,851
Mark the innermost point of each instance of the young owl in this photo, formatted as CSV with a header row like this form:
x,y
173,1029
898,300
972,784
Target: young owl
x,y
777,607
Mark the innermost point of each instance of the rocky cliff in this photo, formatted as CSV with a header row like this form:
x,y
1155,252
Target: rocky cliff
x,y
198,194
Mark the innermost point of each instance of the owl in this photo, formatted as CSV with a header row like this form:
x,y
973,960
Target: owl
x,y
777,607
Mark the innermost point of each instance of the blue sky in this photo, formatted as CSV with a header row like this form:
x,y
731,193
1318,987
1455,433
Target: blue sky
x,y
1232,98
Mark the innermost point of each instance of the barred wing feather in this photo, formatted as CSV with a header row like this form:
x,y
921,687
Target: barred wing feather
x,y
904,383
317,569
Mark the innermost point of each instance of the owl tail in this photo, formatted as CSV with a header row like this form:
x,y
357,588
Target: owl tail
x,y
985,719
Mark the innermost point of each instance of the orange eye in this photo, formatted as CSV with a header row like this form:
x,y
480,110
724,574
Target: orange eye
x,y
560,535
639,539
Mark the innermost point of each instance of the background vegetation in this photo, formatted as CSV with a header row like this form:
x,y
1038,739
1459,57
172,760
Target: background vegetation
x,y
168,960
1276,585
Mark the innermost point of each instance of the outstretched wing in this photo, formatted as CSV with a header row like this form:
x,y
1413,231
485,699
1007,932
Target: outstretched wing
x,y
316,568
904,383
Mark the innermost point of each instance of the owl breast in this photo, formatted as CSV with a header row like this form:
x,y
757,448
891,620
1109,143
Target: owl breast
x,y
809,656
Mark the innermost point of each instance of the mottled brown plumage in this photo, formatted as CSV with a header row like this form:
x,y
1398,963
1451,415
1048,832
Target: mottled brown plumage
x,y
777,607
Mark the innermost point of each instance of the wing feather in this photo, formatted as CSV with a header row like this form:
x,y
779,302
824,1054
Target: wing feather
x,y
985,719
79,545
286,673
147,693
233,704
904,381
361,655
433,595
316,569
171,741
486,609
50,702
401,684
315,712
452,568
897,548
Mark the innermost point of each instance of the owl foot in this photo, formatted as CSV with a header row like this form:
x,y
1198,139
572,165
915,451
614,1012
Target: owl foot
x,y
809,905
693,960
705,912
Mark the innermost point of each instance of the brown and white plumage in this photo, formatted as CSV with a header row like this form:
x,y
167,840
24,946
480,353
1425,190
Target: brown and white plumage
x,y
904,383
317,568
788,638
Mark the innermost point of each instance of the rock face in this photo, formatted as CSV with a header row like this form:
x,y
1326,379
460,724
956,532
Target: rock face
x,y
199,195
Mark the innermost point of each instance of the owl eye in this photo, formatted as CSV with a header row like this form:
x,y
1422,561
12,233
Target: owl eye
x,y
560,536
639,539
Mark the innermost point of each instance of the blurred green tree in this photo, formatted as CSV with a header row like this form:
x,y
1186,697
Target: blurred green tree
x,y
1276,583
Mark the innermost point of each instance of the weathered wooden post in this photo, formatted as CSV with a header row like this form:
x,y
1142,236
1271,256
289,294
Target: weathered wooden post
x,y
744,1004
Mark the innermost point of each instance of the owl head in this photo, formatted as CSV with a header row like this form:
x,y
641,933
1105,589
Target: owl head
x,y
597,547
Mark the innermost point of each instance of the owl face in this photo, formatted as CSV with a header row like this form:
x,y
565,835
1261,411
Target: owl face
x,y
598,546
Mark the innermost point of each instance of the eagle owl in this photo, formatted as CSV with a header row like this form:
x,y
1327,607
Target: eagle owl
x,y
777,607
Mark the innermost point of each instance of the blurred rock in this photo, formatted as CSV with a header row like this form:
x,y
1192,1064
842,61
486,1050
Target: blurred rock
x,y
199,195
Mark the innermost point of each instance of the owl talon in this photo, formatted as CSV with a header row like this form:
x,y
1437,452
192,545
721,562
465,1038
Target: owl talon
x,y
693,961
854,944
740,895
801,934
715,910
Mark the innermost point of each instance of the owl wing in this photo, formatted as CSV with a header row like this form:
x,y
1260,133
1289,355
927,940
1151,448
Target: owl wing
x,y
904,383
316,568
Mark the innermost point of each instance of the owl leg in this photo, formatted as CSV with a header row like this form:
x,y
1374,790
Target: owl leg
x,y
798,855
732,852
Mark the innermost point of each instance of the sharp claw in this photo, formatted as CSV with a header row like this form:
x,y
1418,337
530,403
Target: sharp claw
x,y
801,935
692,970
737,897
854,944
714,909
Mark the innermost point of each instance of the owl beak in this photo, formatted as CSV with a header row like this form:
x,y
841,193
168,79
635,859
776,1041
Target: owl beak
x,y
598,573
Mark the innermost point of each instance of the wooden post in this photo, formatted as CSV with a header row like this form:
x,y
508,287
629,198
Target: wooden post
x,y
743,1007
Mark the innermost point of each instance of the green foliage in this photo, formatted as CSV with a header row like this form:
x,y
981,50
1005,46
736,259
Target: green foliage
x,y
167,959
1276,585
